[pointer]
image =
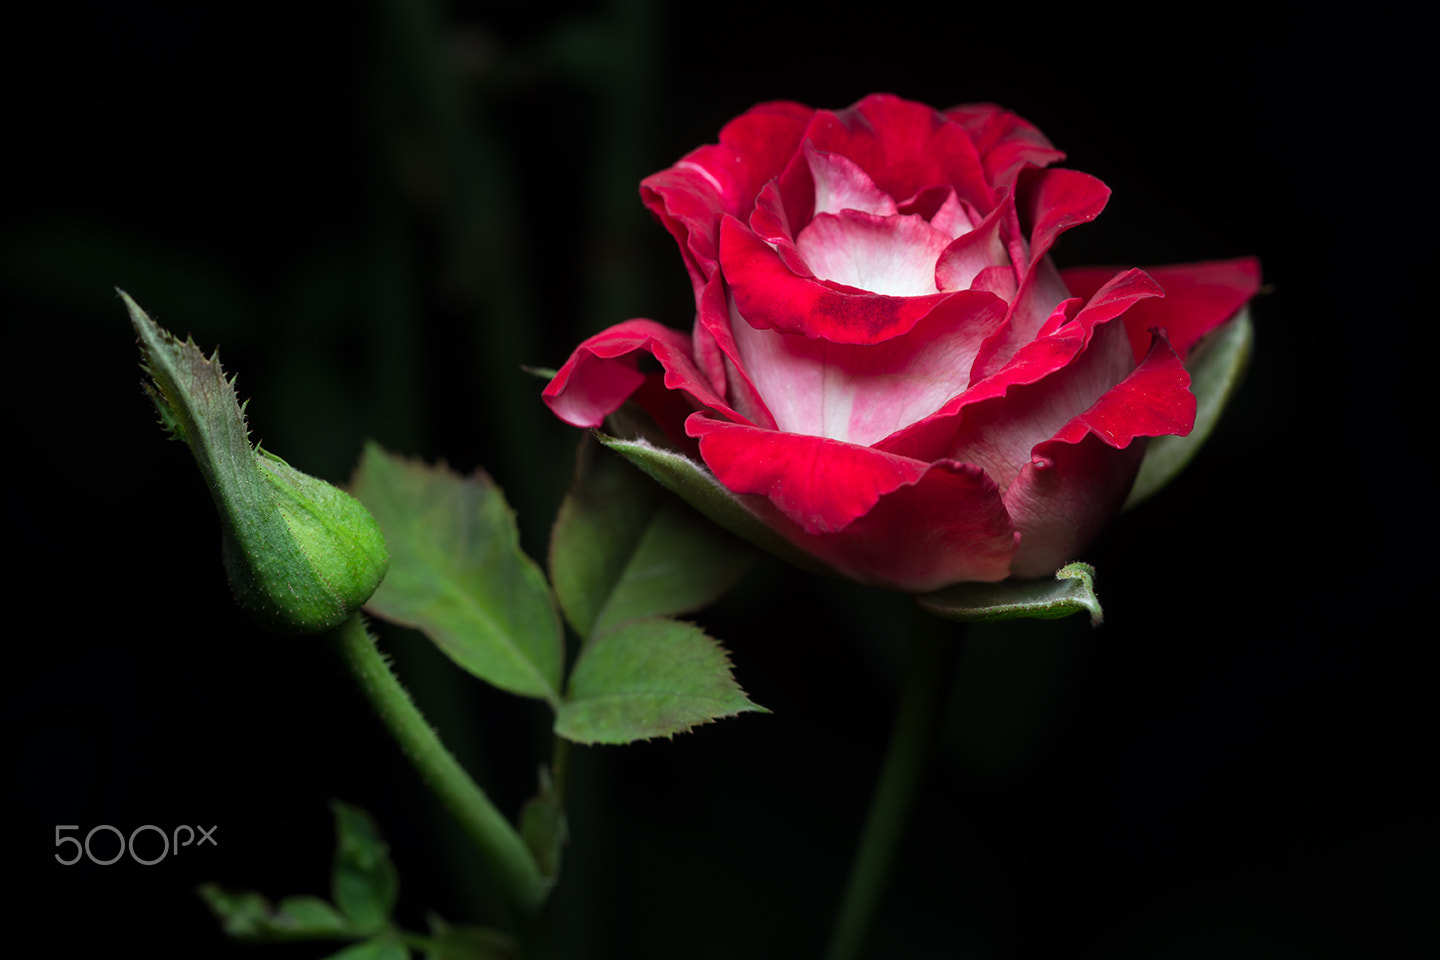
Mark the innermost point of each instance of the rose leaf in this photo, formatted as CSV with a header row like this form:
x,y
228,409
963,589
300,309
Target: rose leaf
x,y
622,548
364,880
1071,591
1216,366
649,678
458,575
246,915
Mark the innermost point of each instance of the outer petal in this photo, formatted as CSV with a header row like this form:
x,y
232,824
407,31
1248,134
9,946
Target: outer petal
x,y
821,485
947,528
1065,498
1000,434
881,520
1007,143
604,372
1076,482
1198,298
992,427
724,178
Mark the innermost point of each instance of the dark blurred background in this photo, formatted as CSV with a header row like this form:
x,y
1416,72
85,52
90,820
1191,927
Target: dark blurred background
x,y
380,210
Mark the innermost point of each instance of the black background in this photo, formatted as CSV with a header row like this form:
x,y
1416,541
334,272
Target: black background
x,y
1233,765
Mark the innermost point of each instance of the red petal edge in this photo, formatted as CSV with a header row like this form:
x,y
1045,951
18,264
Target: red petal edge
x,y
1076,482
603,372
884,520
1198,298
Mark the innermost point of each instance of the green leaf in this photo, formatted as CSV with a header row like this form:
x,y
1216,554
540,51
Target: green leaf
x,y
385,947
697,486
458,575
301,555
247,915
649,678
364,880
1216,366
1072,591
469,943
623,549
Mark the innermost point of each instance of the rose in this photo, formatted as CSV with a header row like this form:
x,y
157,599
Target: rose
x,y
885,367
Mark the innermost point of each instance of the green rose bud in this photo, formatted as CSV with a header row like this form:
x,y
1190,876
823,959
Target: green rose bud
x,y
302,555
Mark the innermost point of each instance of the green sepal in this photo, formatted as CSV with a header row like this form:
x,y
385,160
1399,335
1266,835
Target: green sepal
x,y
1070,591
246,915
458,575
1216,366
301,555
364,883
697,486
646,679
623,549
469,943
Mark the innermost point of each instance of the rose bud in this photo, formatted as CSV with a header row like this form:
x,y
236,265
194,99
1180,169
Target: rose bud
x,y
302,556
886,370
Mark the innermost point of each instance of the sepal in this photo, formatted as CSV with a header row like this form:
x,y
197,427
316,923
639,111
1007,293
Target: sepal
x,y
1070,591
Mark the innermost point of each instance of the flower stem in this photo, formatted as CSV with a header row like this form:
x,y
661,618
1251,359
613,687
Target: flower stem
x,y
500,844
929,676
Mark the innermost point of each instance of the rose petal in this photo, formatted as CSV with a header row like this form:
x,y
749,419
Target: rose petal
x,y
972,252
981,425
904,147
1064,498
893,255
882,520
947,528
1198,298
603,372
822,485
840,184
1075,483
1154,400
1052,201
861,394
716,316
1006,142
1000,433
690,197
1040,291
952,218
771,296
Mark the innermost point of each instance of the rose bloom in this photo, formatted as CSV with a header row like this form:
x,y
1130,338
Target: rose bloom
x,y
885,366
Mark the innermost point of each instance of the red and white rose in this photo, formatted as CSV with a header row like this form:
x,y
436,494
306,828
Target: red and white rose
x,y
885,366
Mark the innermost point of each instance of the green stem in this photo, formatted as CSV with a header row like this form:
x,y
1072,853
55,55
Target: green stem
x,y
929,676
499,842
